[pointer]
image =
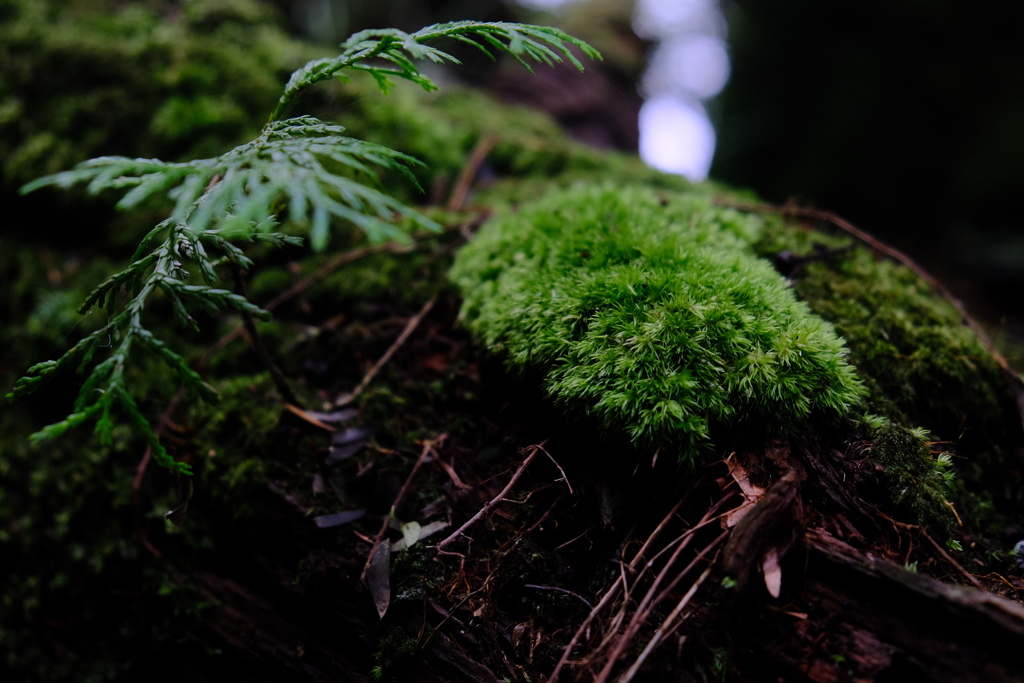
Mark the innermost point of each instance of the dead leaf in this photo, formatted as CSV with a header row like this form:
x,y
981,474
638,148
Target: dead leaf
x,y
347,443
411,533
338,518
352,434
334,416
378,578
177,515
751,493
772,572
739,473
425,532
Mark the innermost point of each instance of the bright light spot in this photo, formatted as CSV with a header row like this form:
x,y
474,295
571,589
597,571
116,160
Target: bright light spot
x,y
694,64
660,18
676,137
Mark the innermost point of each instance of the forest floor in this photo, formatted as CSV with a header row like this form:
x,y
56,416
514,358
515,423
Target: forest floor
x,y
457,527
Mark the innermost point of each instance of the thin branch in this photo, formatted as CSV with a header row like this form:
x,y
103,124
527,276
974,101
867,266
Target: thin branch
x,y
667,626
533,451
652,597
942,551
564,477
428,448
556,589
280,381
410,327
469,171
564,659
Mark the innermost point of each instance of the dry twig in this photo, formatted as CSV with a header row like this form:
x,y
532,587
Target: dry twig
x,y
410,327
469,172
942,551
428,448
531,454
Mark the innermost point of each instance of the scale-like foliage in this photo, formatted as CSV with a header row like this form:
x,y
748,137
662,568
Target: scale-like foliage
x,y
300,165
300,161
652,314
399,49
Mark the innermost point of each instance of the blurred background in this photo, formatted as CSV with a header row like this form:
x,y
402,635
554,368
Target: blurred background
x,y
906,117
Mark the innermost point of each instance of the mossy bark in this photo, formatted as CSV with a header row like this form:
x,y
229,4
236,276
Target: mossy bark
x,y
101,586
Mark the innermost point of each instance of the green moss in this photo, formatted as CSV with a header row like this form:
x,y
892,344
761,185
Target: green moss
x,y
78,82
919,480
653,314
920,363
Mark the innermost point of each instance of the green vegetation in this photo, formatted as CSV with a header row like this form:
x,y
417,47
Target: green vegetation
x,y
299,165
919,479
88,598
922,366
653,314
78,82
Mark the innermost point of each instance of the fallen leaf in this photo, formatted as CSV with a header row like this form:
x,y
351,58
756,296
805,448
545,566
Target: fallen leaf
x,y
351,434
178,514
338,518
411,533
346,443
339,453
334,416
751,493
378,578
739,473
772,572
425,532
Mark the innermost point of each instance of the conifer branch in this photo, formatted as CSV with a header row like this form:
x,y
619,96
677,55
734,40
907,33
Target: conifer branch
x,y
524,42
302,167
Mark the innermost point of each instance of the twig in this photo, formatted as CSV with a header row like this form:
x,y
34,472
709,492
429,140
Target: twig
x,y
556,589
892,253
949,558
612,635
409,328
666,627
533,451
942,551
303,415
428,448
564,659
564,478
304,284
329,267
657,531
280,381
460,192
536,525
652,597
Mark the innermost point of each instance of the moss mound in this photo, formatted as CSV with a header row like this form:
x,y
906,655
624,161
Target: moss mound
x,y
653,314
919,480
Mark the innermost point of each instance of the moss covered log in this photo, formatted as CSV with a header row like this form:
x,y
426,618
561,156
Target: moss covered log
x,y
652,313
728,351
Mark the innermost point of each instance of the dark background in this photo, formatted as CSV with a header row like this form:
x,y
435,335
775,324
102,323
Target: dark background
x,y
906,117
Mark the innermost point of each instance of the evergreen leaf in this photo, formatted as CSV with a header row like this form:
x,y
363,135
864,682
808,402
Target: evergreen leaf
x,y
538,43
